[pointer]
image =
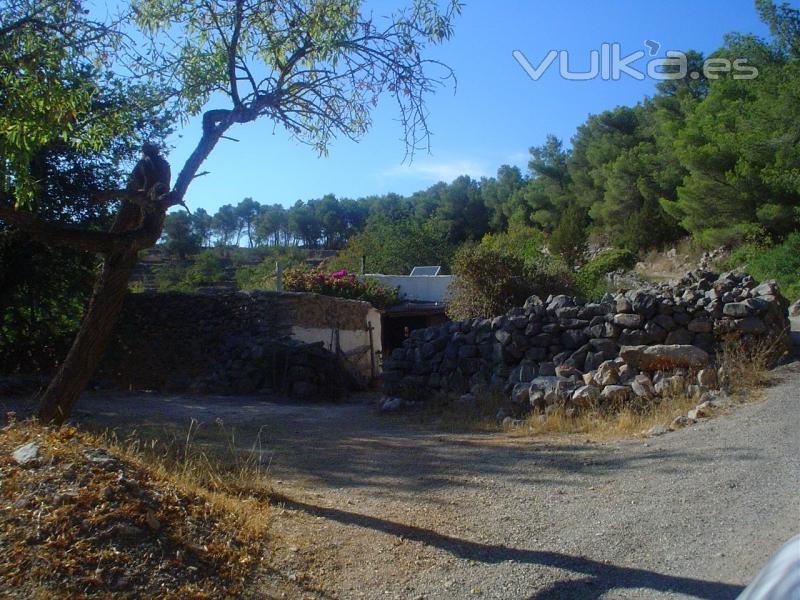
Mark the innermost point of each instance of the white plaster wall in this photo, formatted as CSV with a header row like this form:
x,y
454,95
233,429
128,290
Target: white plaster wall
x,y
349,339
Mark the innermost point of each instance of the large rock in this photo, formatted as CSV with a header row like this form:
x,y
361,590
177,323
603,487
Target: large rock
x,y
662,356
586,396
615,394
607,374
642,386
679,336
737,309
629,321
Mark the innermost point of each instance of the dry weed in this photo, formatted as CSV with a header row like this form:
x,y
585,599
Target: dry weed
x,y
98,516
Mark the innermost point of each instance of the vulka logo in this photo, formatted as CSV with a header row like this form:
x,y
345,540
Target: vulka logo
x,y
609,64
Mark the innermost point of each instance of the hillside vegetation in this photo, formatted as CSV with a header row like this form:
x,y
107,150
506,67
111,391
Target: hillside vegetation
x,y
714,160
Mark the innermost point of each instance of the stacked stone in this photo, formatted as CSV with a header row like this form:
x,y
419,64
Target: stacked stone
x,y
566,351
221,343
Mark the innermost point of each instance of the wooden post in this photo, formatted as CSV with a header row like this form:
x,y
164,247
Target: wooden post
x,y
363,264
278,277
371,350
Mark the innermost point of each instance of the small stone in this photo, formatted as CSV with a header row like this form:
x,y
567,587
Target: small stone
x,y
681,422
391,404
99,457
466,399
607,374
699,412
642,386
657,430
23,502
510,423
27,455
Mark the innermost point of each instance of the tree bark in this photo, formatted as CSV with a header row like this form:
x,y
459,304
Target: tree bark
x,y
87,350
98,324
138,225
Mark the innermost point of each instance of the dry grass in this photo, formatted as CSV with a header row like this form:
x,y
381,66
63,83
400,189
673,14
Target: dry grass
x,y
746,362
659,267
232,479
612,424
97,516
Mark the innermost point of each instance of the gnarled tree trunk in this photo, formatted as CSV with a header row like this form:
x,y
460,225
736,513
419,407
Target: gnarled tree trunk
x,y
87,350
105,306
138,225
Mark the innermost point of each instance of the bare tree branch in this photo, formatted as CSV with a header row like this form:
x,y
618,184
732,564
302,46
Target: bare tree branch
x,y
57,234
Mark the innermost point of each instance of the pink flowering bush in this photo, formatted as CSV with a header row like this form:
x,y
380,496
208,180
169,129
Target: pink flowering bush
x,y
341,284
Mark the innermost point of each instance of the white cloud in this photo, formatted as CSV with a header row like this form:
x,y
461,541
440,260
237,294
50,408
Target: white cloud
x,y
441,170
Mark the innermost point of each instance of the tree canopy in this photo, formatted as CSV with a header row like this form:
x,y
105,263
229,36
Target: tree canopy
x,y
314,67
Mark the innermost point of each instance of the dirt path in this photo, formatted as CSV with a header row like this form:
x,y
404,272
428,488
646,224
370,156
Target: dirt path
x,y
378,508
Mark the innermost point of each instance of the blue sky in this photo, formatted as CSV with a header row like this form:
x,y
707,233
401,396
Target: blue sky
x,y
496,113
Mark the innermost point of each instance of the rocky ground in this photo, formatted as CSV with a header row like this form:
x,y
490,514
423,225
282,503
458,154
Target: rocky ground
x,y
372,506
78,521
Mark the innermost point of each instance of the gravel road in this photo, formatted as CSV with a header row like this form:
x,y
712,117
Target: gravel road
x,y
376,507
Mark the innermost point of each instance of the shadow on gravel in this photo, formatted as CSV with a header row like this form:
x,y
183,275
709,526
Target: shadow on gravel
x,y
356,449
601,577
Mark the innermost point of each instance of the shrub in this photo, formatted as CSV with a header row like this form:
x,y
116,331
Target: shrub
x,y
488,282
590,279
520,240
340,284
549,275
649,227
569,239
207,269
262,275
730,237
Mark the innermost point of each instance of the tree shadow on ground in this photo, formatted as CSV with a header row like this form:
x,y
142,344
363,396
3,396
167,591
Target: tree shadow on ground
x,y
600,577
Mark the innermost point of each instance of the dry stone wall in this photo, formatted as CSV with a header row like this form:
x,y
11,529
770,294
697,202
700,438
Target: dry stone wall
x,y
565,351
234,342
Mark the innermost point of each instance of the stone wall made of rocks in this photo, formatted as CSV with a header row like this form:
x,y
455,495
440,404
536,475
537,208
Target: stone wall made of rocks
x,y
234,342
566,351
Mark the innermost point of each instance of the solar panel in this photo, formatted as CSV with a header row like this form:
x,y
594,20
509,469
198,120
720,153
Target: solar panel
x,y
429,271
